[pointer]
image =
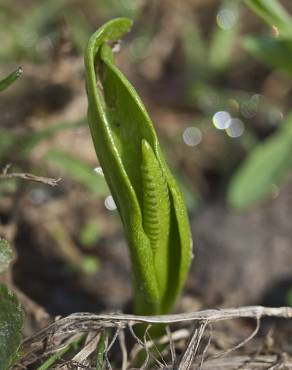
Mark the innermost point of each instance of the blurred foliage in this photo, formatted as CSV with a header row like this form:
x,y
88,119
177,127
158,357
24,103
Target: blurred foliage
x,y
225,33
31,30
6,255
24,36
265,168
208,59
78,170
274,50
11,320
11,315
273,13
29,140
90,233
276,53
268,165
89,264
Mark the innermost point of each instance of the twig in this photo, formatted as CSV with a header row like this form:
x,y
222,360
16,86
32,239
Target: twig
x,y
28,176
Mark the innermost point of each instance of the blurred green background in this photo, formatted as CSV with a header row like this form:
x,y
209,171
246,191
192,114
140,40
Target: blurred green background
x,y
216,79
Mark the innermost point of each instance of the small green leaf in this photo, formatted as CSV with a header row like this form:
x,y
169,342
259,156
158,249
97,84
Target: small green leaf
x,y
6,82
11,320
273,13
274,52
6,255
54,358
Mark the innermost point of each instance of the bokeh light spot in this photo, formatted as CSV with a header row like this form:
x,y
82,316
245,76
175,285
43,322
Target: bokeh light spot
x,y
221,120
236,128
39,196
227,18
110,203
192,136
275,117
99,170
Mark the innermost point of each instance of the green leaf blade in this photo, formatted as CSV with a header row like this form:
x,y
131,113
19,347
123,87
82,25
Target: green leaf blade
x,y
79,171
6,255
10,79
265,167
273,13
219,57
11,321
274,52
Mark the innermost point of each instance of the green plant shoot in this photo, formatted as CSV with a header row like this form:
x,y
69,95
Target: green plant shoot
x,y
7,81
148,199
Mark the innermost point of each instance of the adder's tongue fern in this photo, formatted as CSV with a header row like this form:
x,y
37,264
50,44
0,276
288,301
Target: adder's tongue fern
x,y
148,199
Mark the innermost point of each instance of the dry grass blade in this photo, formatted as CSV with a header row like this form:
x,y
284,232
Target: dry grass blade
x,y
204,353
242,343
106,352
122,343
166,339
192,348
171,345
248,363
90,346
